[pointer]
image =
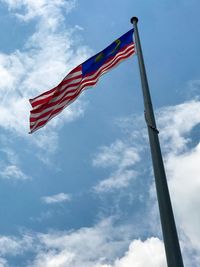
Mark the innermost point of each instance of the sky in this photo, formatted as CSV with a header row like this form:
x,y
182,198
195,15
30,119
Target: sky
x,y
80,191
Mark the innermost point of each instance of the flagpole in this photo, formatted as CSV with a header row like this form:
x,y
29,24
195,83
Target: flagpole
x,y
171,242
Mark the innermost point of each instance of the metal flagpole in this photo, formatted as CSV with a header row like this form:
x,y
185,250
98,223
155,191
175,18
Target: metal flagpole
x,y
171,242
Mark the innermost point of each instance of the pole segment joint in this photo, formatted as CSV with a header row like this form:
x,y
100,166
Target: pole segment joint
x,y
149,125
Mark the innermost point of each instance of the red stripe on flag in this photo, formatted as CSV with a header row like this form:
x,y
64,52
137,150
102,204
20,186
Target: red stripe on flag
x,y
63,96
77,88
62,92
44,97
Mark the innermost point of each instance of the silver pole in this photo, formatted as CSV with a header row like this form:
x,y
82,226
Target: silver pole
x,y
171,242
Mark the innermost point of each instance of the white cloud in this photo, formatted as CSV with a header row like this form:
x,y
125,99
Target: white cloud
x,y
86,247
140,254
181,148
12,157
3,263
103,245
118,153
117,180
44,8
10,167
53,259
10,245
58,198
49,53
183,168
144,253
176,122
13,172
182,154
122,157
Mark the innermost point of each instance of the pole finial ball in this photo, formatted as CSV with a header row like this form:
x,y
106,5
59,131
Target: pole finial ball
x,y
134,19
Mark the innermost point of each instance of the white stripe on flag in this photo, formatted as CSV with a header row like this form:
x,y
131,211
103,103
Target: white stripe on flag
x,y
68,92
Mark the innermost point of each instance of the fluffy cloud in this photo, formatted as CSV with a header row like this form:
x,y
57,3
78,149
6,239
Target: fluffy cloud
x,y
179,127
182,154
183,171
98,246
108,245
176,123
44,8
13,172
10,167
58,198
15,246
47,55
39,65
3,262
122,157
117,180
85,246
118,153
140,254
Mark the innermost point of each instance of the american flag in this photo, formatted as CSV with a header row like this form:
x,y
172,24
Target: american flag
x,y
51,103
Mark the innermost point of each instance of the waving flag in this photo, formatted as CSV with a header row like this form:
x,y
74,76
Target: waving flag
x,y
51,103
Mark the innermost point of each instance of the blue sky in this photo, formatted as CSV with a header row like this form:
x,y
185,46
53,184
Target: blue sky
x,y
80,191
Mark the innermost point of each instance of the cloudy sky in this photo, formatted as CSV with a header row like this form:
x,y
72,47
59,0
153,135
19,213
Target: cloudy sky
x,y
80,191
